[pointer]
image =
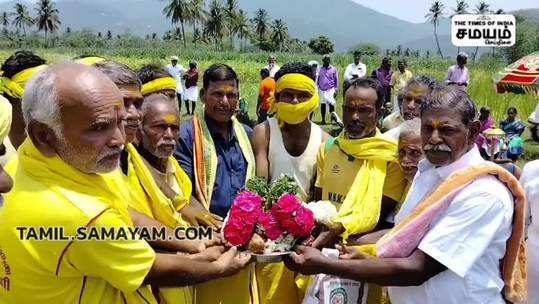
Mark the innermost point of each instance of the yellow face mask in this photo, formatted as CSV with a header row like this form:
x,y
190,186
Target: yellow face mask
x,y
296,113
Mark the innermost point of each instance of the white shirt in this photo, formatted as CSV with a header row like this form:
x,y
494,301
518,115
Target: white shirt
x,y
530,183
469,238
273,70
177,72
352,69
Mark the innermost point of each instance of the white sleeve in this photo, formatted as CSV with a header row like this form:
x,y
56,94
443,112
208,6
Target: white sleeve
x,y
348,73
363,71
449,72
464,231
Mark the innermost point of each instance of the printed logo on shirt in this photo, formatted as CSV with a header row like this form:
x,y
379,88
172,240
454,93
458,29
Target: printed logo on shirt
x,y
335,169
338,296
335,197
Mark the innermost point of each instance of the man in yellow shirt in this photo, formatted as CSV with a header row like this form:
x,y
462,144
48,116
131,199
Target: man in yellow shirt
x,y
398,80
358,153
74,116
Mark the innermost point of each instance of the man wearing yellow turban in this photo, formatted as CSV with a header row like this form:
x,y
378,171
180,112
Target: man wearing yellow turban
x,y
157,80
15,73
288,143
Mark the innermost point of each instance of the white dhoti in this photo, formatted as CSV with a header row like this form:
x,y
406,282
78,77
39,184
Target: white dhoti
x,y
191,94
327,97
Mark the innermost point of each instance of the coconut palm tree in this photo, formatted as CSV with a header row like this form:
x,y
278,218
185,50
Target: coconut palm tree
x,y
197,14
279,33
178,11
22,17
242,27
481,8
4,20
231,8
47,18
436,11
260,21
215,25
461,9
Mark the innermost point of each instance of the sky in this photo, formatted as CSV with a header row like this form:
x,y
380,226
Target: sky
x,y
415,10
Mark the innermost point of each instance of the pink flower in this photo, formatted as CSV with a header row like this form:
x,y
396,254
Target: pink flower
x,y
286,206
305,222
270,225
247,205
238,232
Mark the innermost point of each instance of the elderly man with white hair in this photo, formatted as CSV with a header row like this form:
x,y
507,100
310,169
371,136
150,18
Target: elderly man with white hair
x,y
458,235
74,116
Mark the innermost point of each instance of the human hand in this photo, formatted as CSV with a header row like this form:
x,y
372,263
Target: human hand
x,y
196,214
307,260
350,253
209,254
231,262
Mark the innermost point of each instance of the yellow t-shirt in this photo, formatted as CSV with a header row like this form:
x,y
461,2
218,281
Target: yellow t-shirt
x,y
66,271
336,172
399,80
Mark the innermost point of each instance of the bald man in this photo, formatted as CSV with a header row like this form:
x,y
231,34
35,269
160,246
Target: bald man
x,y
74,116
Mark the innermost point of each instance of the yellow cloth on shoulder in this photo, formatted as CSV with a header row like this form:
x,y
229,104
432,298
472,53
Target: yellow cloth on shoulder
x,y
15,85
361,208
163,209
50,193
148,199
295,113
157,85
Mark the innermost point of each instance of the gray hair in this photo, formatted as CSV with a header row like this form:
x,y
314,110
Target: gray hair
x,y
451,97
410,127
158,97
119,73
40,101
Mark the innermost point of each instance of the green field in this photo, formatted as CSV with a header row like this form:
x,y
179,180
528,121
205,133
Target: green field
x,y
248,65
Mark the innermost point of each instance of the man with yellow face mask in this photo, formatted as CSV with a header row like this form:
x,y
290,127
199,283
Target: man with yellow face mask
x,y
288,143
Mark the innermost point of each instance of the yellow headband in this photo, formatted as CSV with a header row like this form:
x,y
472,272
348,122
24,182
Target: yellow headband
x,y
295,81
5,118
15,85
90,60
296,113
159,84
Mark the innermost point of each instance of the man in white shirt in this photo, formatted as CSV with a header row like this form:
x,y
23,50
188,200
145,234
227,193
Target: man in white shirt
x,y
355,70
458,259
458,75
177,71
530,183
272,66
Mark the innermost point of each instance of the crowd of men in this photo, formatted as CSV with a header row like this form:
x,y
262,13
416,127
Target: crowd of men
x,y
421,216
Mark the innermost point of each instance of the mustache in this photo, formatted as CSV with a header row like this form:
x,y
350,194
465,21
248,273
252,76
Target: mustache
x,y
132,122
437,148
166,143
111,152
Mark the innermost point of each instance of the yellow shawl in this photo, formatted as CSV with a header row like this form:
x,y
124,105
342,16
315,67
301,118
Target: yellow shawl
x,y
163,209
71,183
361,208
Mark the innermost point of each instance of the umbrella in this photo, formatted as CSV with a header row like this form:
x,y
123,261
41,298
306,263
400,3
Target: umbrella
x,y
521,77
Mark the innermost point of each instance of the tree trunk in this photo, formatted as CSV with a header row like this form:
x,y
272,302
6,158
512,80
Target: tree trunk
x,y
437,43
183,34
475,53
458,50
194,30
